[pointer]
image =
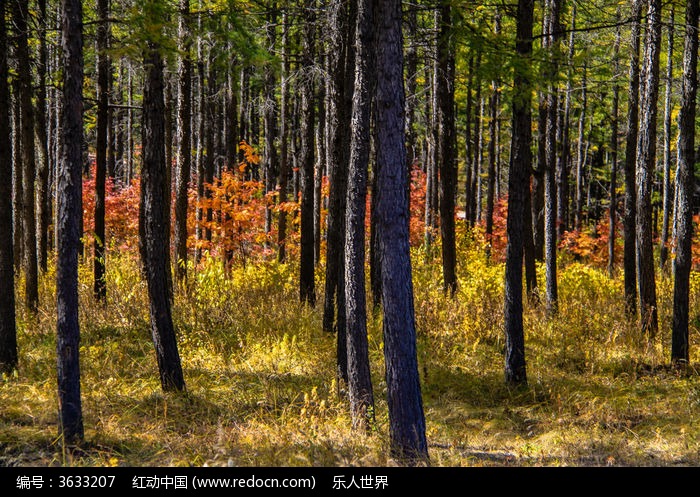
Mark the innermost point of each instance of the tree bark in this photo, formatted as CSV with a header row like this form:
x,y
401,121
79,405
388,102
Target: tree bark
x,y
553,38
685,179
103,76
447,142
515,365
646,162
42,190
359,379
20,16
491,181
184,150
68,213
630,253
153,217
307,290
8,327
406,418
667,188
284,147
612,211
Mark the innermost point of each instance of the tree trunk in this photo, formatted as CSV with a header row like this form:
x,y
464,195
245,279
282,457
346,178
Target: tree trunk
x,y
20,17
42,191
581,153
667,188
103,76
8,329
612,216
491,182
646,162
307,290
406,418
515,366
630,253
184,151
565,128
270,117
69,212
359,378
685,179
284,137
554,33
153,217
447,142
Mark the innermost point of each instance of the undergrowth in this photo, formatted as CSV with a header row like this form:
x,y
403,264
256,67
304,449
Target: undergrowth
x,y
261,386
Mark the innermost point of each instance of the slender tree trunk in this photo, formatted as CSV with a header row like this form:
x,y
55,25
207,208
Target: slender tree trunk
x,y
184,130
20,17
284,147
468,145
612,216
630,253
491,182
515,366
270,117
154,219
667,188
17,190
307,290
103,75
581,152
565,127
646,161
685,179
42,190
406,418
447,142
550,216
359,378
69,211
8,327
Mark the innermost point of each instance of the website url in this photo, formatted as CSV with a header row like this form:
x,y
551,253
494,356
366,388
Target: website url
x,y
253,482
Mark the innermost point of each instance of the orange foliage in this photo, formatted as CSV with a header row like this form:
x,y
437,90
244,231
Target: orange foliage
x,y
591,245
499,237
121,213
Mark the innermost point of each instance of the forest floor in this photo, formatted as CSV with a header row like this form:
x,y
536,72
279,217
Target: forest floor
x,y
261,388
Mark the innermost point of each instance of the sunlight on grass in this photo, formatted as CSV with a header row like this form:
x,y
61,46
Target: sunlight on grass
x,y
261,385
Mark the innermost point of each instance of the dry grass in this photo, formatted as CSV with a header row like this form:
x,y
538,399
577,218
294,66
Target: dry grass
x,y
261,378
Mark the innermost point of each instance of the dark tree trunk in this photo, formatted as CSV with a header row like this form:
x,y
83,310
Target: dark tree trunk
x,y
307,291
612,211
515,367
17,193
20,17
646,162
284,137
359,378
8,329
468,146
42,190
406,418
184,130
270,117
340,55
554,32
68,213
491,181
103,76
153,218
565,128
630,253
667,190
581,153
447,142
686,161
